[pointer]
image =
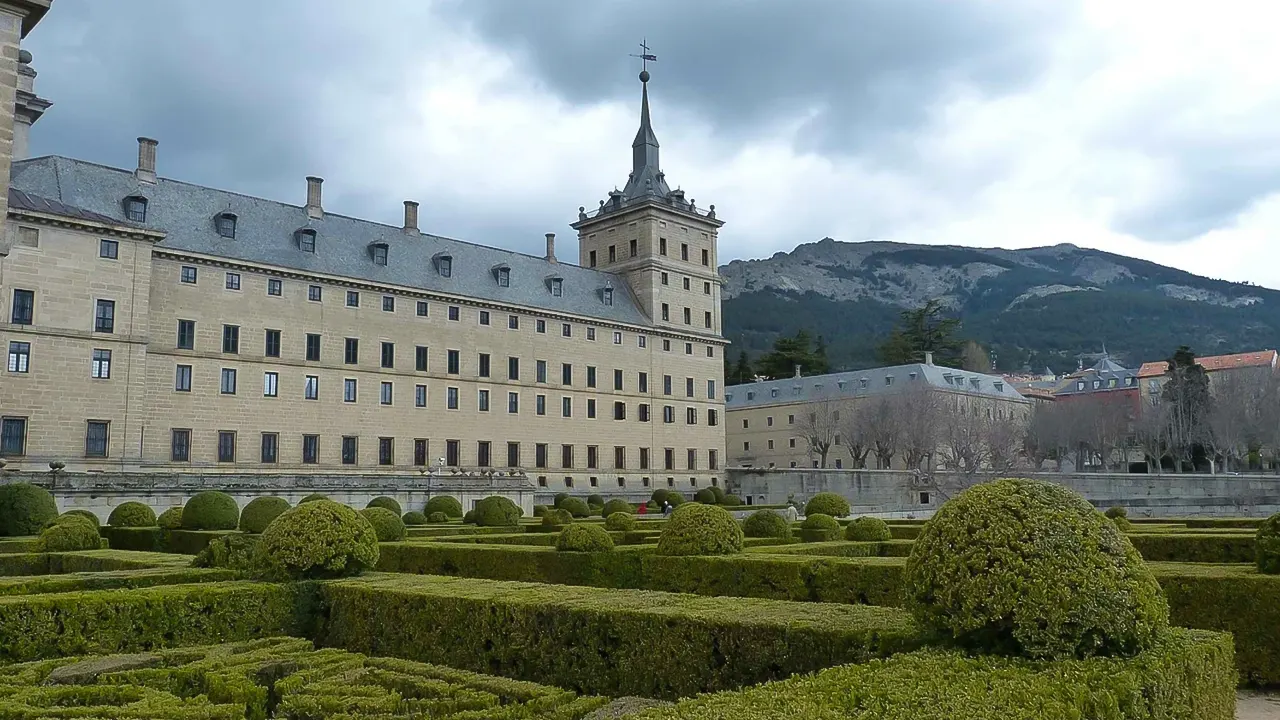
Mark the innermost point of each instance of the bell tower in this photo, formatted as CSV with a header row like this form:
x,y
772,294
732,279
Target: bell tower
x,y
660,242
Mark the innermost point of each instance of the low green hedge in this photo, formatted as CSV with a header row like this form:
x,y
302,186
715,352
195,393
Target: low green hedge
x,y
1201,548
147,539
18,545
438,531
610,642
843,548
1223,522
107,580
1186,676
86,561
191,542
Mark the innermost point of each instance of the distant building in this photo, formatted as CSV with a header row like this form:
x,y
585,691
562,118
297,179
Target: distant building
x,y
1152,375
1106,377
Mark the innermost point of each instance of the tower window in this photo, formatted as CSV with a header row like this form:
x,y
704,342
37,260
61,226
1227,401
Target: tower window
x,y
225,224
633,248
306,239
591,259
135,208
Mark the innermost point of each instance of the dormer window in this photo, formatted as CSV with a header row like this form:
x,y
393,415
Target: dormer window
x,y
444,265
379,253
863,382
1080,385
306,239
773,392
608,295
557,286
225,224
135,208
502,274
888,379
999,386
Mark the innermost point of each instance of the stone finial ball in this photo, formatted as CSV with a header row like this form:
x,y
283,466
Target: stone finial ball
x,y
24,56
644,76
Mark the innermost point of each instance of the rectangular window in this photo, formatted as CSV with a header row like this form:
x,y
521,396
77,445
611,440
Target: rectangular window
x,y
662,246
180,446
706,318
455,361
688,317
619,457
104,318
613,253
182,379
482,401
231,339
484,317
566,374
617,379
513,368
351,351
386,451
186,334
642,381
349,390
451,398
691,459
591,258
314,293
422,308
713,462
109,249
385,393
591,408
642,341
226,446
541,375
513,322
540,455
706,288
420,452
591,376
228,386
270,384
665,279
669,458
310,449
388,303
643,412
713,417
688,387
666,312
513,454
593,459
566,456
541,326
388,355
24,306
452,452
620,410
591,334
313,347
455,313
272,344
353,298
644,458
690,416
484,365
513,403
666,384
420,358
540,405
711,389
13,436
684,251
666,345
275,287
617,338
350,449
566,407
566,330
233,281
706,257
311,389
633,248
95,438
668,414
19,357
270,448
484,453
188,275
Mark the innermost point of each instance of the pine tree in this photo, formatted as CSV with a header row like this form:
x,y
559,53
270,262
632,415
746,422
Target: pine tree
x,y
740,373
923,330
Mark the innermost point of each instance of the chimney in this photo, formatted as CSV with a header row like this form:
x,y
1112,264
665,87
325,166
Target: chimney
x,y
314,209
146,171
551,247
928,357
410,217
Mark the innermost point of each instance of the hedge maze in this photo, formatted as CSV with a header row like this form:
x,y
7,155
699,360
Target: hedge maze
x,y
1018,600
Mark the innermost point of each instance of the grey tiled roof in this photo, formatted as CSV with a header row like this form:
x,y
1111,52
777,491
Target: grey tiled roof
x,y
866,383
265,234
19,200
1103,372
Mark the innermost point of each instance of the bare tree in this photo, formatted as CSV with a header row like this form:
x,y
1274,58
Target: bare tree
x,y
919,421
1234,415
963,438
1004,441
884,430
1102,424
1150,431
856,433
819,428
1047,434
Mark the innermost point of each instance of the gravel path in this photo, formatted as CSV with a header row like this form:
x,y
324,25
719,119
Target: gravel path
x,y
1256,706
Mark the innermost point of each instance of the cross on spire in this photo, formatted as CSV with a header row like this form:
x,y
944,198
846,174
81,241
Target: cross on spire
x,y
646,57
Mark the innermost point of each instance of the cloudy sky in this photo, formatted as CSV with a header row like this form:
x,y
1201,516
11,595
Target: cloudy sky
x,y
1148,128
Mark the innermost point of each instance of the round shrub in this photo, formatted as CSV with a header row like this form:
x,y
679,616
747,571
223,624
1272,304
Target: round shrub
x,y
719,493
211,510
389,503
827,503
319,539
539,510
1023,567
413,517
437,518
446,504
766,524
622,521
617,505
868,528
86,514
1115,511
706,496
25,509
594,499
557,518
69,533
132,514
584,537
388,525
659,496
497,511
1267,545
697,529
730,500
170,519
676,499
1122,524
819,521
235,551
260,511
575,506
313,498
469,518
559,498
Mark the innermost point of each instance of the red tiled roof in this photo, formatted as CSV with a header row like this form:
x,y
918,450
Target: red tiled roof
x,y
1259,358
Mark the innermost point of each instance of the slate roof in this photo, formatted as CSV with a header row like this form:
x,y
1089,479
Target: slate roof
x,y
19,200
265,235
1108,374
1212,363
867,383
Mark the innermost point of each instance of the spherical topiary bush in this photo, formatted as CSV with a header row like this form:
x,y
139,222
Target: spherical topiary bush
x,y
766,524
389,503
719,493
676,499
469,518
559,498
413,517
132,514
69,533
867,529
235,551
659,496
497,511
170,519
1115,511
446,504
575,506
617,506
730,500
260,511
211,510
557,518
1267,545
819,521
314,540
595,499
86,514
620,521
437,517
25,508
1030,568
827,503
697,529
313,498
584,537
388,525
706,496
539,510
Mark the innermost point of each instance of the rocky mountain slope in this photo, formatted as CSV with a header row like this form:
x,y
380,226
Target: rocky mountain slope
x,y
1034,307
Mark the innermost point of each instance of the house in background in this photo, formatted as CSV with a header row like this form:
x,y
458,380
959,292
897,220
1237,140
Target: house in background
x,y
1153,375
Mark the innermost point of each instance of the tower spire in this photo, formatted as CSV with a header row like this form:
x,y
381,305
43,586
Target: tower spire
x,y
646,173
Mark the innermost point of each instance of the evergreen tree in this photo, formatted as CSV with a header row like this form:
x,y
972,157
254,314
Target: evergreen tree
x,y
739,373
790,353
1187,400
922,330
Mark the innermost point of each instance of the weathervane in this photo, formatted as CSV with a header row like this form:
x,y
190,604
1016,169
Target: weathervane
x,y
645,58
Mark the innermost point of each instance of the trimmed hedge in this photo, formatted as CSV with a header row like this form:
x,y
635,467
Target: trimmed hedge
x,y
413,517
313,497
319,539
146,539
610,642
1202,548
24,509
619,521
211,510
497,511
170,519
819,527
617,505
574,506
766,524
827,503
867,529
696,529
1267,546
388,503
437,517
69,533
132,514
260,511
86,514
108,580
1185,676
386,525
190,542
581,537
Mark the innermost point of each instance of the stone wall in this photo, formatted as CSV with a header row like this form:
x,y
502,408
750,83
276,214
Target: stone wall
x,y
100,492
901,494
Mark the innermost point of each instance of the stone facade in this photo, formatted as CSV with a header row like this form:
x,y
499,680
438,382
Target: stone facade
x,y
232,352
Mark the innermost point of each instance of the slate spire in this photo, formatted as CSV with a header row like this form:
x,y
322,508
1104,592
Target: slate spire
x,y
646,175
